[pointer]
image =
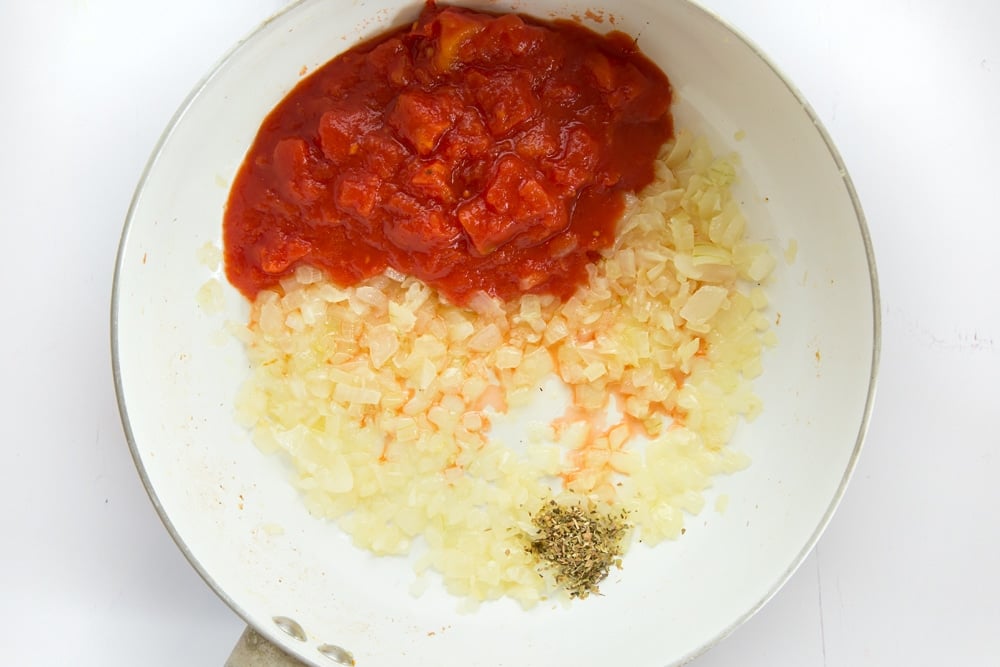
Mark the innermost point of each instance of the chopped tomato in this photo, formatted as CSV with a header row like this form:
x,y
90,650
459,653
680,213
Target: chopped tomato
x,y
477,152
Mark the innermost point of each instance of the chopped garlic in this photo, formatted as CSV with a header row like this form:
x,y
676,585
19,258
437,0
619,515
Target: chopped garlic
x,y
210,297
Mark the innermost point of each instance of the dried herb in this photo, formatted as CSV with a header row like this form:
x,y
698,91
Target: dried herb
x,y
579,543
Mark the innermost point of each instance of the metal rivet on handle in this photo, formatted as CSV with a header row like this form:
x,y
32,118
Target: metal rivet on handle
x,y
290,627
337,654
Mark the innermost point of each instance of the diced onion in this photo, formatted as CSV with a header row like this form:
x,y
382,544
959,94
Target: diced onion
x,y
383,395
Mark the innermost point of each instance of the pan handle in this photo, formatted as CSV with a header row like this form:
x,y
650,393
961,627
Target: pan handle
x,y
253,650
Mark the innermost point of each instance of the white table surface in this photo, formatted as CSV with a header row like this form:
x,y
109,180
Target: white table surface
x,y
907,571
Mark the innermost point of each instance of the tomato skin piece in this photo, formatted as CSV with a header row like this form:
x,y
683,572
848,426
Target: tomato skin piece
x,y
477,152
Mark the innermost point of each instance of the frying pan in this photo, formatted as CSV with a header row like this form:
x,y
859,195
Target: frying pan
x,y
296,578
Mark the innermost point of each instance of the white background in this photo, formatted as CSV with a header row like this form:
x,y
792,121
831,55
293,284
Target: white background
x,y
907,571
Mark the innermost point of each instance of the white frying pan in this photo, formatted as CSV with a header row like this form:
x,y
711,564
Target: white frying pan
x,y
297,579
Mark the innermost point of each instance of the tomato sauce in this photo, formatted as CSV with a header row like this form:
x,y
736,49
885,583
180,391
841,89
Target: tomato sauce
x,y
470,150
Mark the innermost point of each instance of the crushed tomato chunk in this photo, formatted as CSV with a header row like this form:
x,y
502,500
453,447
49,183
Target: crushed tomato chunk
x,y
473,151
